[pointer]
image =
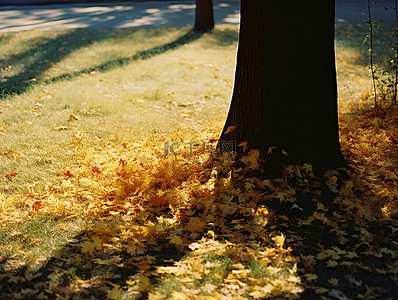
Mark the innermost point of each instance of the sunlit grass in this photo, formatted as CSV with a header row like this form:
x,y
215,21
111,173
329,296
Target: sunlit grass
x,y
179,88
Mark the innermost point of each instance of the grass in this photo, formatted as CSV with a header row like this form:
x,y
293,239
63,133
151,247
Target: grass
x,y
60,87
63,93
131,97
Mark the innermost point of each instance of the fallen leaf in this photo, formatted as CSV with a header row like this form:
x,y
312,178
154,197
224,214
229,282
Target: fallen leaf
x,y
230,129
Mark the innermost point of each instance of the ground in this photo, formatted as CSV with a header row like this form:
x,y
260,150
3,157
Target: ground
x,y
96,205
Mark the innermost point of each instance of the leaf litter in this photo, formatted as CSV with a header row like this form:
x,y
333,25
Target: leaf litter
x,y
194,226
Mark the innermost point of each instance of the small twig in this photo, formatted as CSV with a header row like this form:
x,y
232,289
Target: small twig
x,y
371,50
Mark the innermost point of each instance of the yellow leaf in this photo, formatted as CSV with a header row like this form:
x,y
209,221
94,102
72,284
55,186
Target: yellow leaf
x,y
333,281
339,251
179,296
2,276
252,158
321,217
212,234
115,292
333,254
279,240
351,255
170,270
144,284
322,256
130,282
307,168
88,247
311,276
196,225
81,281
230,129
320,206
321,291
263,292
97,243
131,248
238,266
176,240
249,186
257,294
155,296
332,263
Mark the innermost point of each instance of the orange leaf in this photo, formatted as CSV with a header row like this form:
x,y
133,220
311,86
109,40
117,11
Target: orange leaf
x,y
160,200
244,145
36,206
96,169
230,129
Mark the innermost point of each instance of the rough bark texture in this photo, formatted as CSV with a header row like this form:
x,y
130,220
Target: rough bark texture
x,y
285,92
204,18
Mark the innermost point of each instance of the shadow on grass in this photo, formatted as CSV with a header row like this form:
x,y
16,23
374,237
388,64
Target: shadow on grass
x,y
346,249
47,52
40,57
142,55
339,256
355,38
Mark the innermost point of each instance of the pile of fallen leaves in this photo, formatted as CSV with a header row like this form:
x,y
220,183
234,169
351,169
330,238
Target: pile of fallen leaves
x,y
181,223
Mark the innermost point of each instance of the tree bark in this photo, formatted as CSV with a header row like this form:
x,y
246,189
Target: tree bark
x,y
285,92
204,18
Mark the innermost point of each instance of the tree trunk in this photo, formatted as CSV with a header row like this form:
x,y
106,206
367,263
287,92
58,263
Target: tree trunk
x,y
204,18
285,92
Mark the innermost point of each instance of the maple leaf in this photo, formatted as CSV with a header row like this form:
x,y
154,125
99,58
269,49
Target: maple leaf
x,y
279,240
87,247
333,281
332,263
319,291
131,248
155,296
143,284
321,217
252,158
308,168
176,240
114,293
249,186
196,225
97,243
311,276
322,256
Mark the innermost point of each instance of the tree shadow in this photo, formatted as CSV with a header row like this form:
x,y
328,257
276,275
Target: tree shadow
x,y
142,55
49,51
353,38
40,57
347,245
343,249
